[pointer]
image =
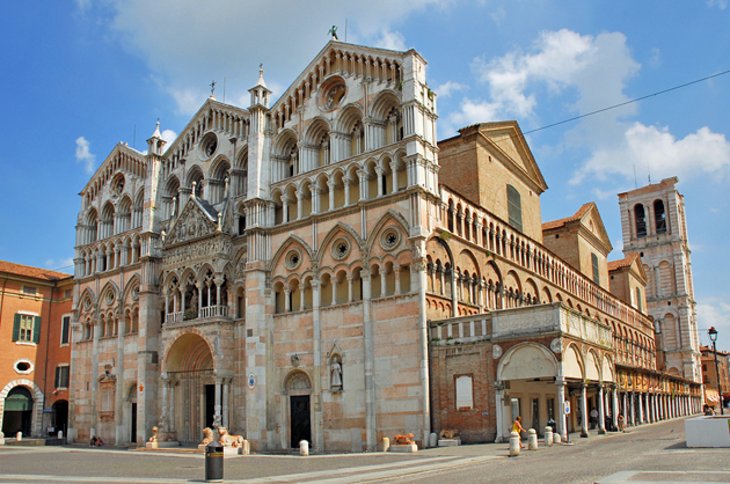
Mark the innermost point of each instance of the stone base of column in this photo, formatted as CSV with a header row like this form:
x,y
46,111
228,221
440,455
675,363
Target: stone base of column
x,y
601,431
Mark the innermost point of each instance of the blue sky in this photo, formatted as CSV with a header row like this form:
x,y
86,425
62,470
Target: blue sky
x,y
79,76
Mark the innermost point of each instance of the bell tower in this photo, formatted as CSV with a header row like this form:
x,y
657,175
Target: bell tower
x,y
654,226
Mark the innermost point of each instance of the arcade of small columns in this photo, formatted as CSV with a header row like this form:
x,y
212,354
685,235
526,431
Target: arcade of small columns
x,y
342,187
664,399
385,278
212,296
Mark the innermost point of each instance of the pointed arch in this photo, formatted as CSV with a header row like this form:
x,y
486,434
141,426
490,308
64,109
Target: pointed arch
x,y
286,245
339,227
390,216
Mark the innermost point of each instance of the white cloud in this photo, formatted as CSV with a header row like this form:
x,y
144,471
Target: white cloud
x,y
714,311
168,135
448,88
597,68
470,112
721,4
654,150
84,154
391,40
186,43
62,265
83,5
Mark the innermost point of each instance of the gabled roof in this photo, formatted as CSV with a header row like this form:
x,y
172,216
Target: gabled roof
x,y
590,221
336,45
32,272
505,139
631,262
191,130
121,156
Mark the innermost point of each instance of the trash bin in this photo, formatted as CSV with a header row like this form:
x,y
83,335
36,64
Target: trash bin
x,y
214,462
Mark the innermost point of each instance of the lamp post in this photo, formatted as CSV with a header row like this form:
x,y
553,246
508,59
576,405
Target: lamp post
x,y
712,332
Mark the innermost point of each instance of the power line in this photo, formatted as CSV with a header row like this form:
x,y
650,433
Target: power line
x,y
631,101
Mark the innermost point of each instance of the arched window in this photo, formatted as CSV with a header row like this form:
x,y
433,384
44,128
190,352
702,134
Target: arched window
x,y
514,206
640,220
660,217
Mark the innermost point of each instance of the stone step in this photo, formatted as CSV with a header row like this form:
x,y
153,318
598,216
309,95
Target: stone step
x,y
31,442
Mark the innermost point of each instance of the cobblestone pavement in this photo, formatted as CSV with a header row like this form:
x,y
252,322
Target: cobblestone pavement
x,y
651,453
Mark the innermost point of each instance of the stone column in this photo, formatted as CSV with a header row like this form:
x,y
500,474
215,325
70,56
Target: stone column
x,y
217,407
370,423
171,407
640,402
583,411
647,405
632,408
226,386
625,413
346,180
601,411
164,404
331,193
560,395
499,409
615,409
121,428
418,277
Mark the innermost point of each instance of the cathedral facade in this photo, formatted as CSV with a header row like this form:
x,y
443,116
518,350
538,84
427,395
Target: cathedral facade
x,y
318,269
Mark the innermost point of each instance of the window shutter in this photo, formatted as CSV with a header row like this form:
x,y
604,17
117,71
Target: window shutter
x,y
16,327
36,329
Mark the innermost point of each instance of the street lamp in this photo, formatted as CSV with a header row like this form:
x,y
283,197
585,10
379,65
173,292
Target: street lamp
x,y
712,332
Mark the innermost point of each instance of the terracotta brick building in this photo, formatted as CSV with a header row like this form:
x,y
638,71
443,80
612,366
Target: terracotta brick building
x,y
35,350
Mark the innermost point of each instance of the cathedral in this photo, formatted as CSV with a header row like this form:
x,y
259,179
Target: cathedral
x,y
319,268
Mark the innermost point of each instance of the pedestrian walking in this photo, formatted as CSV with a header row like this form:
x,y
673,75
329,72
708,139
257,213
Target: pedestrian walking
x,y
594,418
621,423
517,427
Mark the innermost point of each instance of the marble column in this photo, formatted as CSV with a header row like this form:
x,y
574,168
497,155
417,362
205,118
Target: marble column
x,y
640,402
632,408
601,411
226,386
583,411
560,395
614,407
499,408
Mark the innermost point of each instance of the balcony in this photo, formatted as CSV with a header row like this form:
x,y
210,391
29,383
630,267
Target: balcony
x,y
203,314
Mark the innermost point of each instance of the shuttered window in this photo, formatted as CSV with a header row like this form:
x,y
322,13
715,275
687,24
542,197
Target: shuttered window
x,y
62,376
27,328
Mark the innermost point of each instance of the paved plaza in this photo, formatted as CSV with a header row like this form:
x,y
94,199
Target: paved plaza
x,y
653,453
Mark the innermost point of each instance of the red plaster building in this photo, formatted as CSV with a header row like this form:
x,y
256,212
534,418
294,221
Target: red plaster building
x,y
35,356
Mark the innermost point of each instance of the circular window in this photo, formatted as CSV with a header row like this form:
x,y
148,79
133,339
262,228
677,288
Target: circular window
x,y
340,249
332,93
390,239
110,297
293,258
209,145
23,366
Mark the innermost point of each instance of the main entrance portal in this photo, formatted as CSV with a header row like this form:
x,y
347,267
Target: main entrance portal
x,y
190,393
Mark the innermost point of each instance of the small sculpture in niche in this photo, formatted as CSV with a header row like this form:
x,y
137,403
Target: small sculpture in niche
x,y
336,373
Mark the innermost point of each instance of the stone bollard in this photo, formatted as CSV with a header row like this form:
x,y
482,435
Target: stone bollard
x,y
433,439
19,436
385,444
514,444
556,438
531,439
304,448
548,436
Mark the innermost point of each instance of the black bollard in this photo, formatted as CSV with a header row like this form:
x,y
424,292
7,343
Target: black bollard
x,y
214,462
